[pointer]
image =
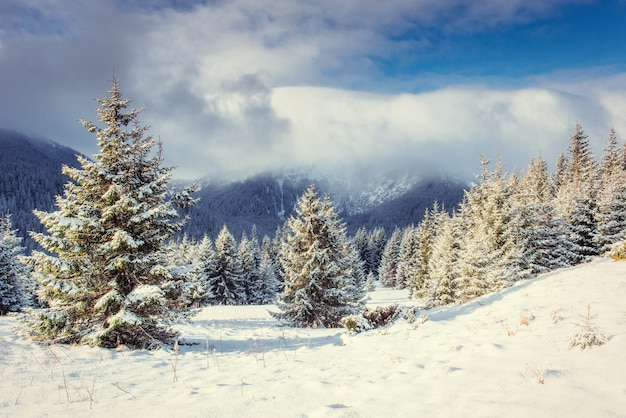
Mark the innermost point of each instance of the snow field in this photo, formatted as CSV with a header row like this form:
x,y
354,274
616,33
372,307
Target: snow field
x,y
506,354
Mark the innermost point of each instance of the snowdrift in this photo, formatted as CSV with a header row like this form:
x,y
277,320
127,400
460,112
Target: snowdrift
x,y
506,354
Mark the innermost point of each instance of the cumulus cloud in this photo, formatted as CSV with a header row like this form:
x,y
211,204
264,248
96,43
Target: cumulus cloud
x,y
242,86
443,130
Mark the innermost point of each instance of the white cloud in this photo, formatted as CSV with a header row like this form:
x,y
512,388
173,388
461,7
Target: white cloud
x,y
245,85
446,129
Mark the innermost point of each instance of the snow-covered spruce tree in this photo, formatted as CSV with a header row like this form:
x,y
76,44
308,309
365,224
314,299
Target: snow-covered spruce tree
x,y
576,198
407,257
389,259
276,253
324,278
419,275
488,252
250,256
611,197
11,269
438,289
542,233
102,273
266,294
376,242
226,286
198,262
207,258
360,242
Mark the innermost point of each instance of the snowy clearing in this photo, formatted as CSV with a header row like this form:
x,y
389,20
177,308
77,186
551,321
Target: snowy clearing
x,y
506,354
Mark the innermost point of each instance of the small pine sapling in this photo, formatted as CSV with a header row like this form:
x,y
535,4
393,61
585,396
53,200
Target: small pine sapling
x,y
588,333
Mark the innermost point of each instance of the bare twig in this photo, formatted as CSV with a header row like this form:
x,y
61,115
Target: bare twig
x,y
67,392
18,396
91,392
117,385
54,354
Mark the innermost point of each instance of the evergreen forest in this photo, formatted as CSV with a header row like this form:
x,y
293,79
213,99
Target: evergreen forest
x,y
114,264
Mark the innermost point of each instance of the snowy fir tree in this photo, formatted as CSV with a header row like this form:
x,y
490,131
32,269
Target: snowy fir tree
x,y
207,259
376,242
324,278
488,253
610,213
576,198
542,234
266,293
407,258
12,271
226,285
198,264
250,256
104,267
276,252
389,259
438,288
360,241
419,274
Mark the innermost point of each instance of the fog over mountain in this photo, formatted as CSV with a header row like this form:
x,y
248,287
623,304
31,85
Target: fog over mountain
x,y
31,177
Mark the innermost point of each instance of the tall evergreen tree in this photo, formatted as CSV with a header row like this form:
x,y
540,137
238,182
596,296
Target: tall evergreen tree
x,y
103,286
250,256
268,289
227,286
324,278
202,266
407,258
376,242
542,233
389,259
611,197
438,288
361,244
11,269
576,198
419,278
489,257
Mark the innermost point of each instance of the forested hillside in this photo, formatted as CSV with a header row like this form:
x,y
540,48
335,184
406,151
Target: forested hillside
x,y
30,178
267,200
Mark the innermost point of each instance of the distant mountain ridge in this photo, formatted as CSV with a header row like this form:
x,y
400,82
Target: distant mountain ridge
x,y
31,178
268,199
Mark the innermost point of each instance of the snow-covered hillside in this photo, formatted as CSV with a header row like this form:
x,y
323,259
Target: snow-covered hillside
x,y
506,354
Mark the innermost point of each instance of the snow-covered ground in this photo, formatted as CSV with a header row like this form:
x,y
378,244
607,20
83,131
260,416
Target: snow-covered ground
x,y
506,354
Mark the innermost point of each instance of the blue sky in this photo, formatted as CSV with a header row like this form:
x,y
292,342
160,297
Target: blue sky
x,y
237,87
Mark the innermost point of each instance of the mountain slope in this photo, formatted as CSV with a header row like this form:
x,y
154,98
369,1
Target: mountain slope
x,y
267,200
30,178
